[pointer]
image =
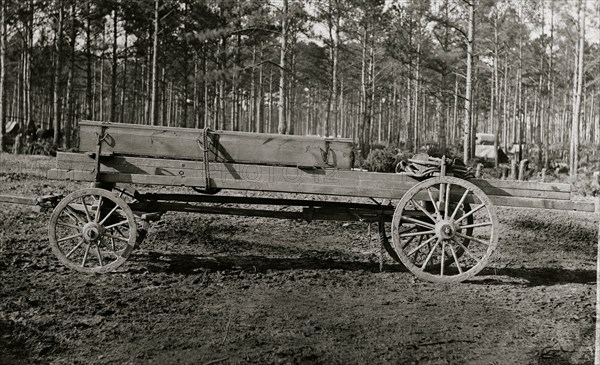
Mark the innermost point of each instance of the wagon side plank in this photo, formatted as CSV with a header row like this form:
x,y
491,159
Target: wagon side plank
x,y
285,179
223,146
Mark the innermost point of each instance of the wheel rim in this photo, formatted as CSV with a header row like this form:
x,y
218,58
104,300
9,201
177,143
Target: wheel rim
x,y
451,242
92,230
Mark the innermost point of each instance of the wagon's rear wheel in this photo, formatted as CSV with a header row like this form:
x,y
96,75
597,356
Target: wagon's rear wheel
x,y
92,230
446,246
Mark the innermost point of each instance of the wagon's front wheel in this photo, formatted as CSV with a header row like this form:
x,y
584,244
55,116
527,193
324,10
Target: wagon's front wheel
x,y
455,239
92,230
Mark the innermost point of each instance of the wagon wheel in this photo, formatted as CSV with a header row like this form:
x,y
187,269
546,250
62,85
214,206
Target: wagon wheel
x,y
385,236
432,252
92,230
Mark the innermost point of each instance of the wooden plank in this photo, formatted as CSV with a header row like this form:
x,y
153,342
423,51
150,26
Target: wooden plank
x,y
224,146
173,167
262,178
525,185
178,172
21,200
372,190
543,203
236,183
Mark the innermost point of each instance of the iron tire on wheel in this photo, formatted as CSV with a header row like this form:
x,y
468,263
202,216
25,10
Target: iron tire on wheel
x,y
86,231
443,229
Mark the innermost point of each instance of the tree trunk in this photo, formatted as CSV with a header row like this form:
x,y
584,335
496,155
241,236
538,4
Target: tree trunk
x,y
494,101
27,107
70,83
577,88
363,97
281,129
89,101
113,73
467,122
57,99
124,88
153,101
259,97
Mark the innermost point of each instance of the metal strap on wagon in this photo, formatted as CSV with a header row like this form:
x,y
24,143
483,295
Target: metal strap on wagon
x,y
204,147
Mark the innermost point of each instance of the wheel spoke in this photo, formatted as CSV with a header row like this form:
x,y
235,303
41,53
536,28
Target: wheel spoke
x,y
420,233
117,225
73,214
427,242
109,249
442,258
455,258
75,248
109,214
68,225
475,225
119,232
466,250
437,211
99,255
408,230
472,238
417,222
423,210
85,255
85,207
69,237
117,238
471,212
408,242
98,209
447,201
430,254
460,202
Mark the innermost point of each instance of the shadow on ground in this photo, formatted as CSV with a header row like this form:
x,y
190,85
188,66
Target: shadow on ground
x,y
189,264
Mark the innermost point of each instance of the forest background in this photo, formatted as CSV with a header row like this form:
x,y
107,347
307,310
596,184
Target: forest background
x,y
404,73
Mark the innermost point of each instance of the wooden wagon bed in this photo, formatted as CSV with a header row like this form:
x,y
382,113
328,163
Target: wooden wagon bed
x,y
235,176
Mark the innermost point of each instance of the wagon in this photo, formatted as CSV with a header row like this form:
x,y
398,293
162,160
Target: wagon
x,y
439,224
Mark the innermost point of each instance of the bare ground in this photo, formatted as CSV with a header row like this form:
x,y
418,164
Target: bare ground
x,y
230,290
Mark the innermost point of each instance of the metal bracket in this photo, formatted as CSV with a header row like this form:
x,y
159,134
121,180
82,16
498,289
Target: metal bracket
x,y
327,155
205,148
101,137
443,166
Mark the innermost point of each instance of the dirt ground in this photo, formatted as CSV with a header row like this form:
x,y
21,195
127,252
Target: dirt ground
x,y
231,290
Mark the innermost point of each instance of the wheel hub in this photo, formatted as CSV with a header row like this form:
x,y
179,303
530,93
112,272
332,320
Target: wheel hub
x,y
445,229
92,231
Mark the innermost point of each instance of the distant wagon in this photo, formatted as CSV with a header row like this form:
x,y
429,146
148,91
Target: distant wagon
x,y
484,148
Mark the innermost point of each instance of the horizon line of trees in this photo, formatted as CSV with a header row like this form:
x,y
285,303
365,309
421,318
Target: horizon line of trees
x,y
409,73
